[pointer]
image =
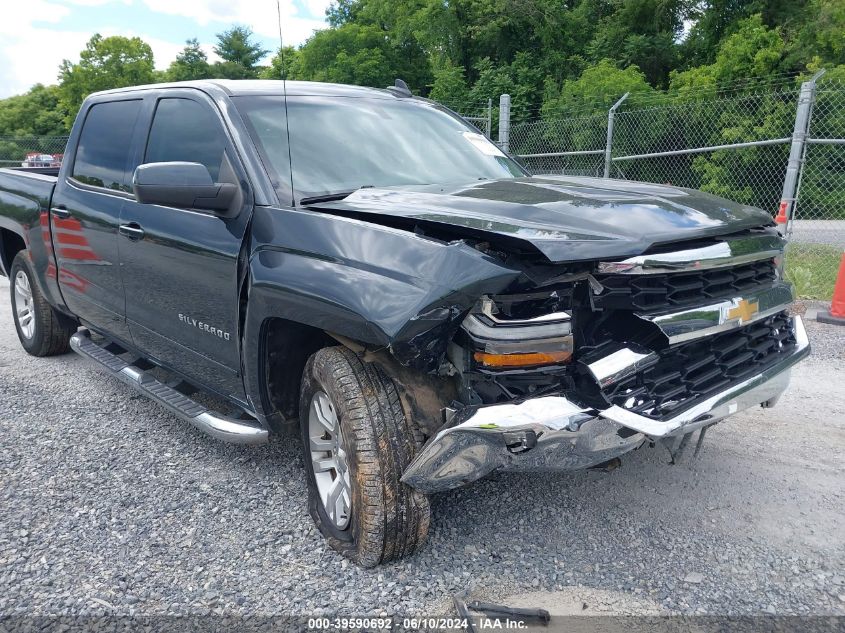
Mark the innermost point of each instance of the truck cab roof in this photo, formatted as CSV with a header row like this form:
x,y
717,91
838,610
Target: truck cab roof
x,y
255,87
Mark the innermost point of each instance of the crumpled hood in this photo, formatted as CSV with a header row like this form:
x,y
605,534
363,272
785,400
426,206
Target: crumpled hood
x,y
564,218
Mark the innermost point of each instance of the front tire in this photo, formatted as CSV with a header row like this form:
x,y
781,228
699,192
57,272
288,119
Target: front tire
x,y
357,442
42,331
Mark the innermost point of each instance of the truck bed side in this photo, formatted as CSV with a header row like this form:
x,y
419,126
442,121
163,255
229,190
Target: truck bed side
x,y
25,199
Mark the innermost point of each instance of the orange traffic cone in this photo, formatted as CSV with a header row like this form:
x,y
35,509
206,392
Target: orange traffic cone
x,y
780,218
836,316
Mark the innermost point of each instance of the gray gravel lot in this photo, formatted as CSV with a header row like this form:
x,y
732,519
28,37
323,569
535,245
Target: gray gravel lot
x,y
111,505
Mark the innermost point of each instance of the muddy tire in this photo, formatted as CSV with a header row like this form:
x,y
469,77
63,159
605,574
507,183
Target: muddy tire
x,y
42,331
373,442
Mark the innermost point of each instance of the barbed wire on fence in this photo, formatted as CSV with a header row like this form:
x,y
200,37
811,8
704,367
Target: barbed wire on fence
x,y
732,140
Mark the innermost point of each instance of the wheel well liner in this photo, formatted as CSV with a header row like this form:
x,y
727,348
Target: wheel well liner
x,y
10,245
287,347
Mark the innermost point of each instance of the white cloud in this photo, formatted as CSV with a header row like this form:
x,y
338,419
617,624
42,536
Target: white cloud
x,y
31,50
317,8
164,51
93,3
20,68
261,16
29,54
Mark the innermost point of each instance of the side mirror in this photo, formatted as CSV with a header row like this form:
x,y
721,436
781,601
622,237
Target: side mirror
x,y
182,185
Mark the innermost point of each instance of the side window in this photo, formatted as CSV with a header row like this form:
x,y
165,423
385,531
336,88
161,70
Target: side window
x,y
185,130
103,148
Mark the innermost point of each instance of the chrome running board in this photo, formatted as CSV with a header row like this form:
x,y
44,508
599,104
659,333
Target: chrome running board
x,y
219,426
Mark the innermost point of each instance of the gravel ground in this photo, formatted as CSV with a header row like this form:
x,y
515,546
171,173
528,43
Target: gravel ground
x,y
111,505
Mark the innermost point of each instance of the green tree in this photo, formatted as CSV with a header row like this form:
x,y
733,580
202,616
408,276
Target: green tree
x,y
281,65
239,54
755,112
450,86
714,20
822,36
190,63
38,112
522,80
577,110
342,12
598,88
362,55
350,53
641,33
753,51
106,62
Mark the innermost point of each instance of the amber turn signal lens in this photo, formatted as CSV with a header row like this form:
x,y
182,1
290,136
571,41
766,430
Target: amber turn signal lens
x,y
522,360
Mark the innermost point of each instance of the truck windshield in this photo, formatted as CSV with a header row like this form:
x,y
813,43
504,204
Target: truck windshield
x,y
339,144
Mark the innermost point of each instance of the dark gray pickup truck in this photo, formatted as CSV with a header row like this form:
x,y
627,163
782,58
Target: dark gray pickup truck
x,y
367,263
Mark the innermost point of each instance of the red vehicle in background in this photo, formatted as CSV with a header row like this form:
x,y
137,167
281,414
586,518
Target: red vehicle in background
x,y
34,159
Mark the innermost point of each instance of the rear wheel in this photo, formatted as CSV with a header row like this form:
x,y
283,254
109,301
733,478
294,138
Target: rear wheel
x,y
42,331
357,442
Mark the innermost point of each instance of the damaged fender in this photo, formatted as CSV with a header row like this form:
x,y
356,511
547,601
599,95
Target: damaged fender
x,y
379,286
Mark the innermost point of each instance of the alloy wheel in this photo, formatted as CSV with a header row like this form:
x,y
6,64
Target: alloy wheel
x,y
328,460
24,305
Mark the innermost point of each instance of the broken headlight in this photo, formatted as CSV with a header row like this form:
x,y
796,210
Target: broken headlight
x,y
515,332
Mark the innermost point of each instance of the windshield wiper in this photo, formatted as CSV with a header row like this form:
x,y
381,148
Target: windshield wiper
x,y
330,197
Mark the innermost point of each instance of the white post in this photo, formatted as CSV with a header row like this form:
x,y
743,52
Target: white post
x,y
796,151
611,115
505,122
490,118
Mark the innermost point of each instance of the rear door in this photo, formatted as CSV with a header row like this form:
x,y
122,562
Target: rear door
x,y
85,215
180,266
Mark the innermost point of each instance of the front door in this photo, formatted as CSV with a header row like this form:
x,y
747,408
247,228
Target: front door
x,y
180,266
85,215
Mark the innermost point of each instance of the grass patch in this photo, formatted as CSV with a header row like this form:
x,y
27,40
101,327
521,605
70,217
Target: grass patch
x,y
812,269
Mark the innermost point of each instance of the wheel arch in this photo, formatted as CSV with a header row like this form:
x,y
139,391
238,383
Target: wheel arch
x,y
11,244
286,347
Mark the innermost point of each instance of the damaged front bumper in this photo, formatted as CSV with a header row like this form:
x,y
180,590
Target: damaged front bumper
x,y
553,433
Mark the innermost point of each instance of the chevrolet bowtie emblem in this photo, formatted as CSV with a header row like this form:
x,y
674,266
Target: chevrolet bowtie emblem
x,y
744,310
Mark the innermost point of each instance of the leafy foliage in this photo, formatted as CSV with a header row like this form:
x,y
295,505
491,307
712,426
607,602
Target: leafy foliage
x,y
190,63
552,56
38,112
106,62
239,54
281,64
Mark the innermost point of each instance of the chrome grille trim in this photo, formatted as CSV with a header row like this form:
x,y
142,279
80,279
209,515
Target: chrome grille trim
x,y
729,252
722,316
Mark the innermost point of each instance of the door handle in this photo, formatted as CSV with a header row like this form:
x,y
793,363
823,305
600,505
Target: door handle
x,y
133,231
59,211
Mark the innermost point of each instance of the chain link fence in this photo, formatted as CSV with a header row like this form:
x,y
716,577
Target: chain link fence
x,y
572,145
482,114
757,146
817,232
34,151
736,143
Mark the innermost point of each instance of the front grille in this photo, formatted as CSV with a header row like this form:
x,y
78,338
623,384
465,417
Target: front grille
x,y
655,293
682,374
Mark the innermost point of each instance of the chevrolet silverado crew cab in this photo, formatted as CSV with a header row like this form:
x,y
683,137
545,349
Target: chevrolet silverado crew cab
x,y
367,265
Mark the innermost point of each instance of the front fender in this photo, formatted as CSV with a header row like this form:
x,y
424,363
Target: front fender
x,y
380,286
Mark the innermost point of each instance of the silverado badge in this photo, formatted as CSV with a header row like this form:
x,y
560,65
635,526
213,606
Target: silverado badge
x,y
205,327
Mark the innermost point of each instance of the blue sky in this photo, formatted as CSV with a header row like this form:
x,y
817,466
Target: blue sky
x,y
36,35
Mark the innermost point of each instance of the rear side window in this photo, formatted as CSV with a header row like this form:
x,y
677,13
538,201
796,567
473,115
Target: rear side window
x,y
185,130
103,148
